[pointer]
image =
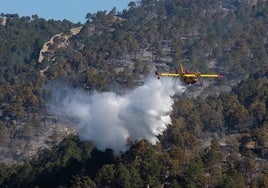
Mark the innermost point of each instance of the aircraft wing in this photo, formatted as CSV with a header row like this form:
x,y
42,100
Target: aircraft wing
x,y
210,76
159,74
199,75
186,75
169,74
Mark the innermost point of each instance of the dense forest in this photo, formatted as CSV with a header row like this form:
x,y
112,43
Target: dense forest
x,y
217,138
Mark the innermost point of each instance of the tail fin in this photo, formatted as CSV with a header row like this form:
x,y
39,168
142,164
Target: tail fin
x,y
182,71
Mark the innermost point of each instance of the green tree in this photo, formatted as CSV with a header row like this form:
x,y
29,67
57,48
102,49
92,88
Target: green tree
x,y
213,155
135,180
27,130
137,66
4,135
83,181
257,109
194,174
106,175
213,159
233,179
234,112
122,176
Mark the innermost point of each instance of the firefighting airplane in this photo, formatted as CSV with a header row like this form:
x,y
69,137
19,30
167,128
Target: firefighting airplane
x,y
188,77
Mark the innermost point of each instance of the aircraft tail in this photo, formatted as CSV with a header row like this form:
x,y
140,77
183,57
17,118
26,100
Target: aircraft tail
x,y
181,69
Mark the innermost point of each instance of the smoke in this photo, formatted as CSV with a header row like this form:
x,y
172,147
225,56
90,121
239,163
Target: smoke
x,y
109,119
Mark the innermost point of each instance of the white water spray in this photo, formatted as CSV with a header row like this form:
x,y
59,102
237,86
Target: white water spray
x,y
109,119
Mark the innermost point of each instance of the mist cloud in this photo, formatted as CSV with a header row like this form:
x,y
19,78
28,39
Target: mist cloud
x,y
109,119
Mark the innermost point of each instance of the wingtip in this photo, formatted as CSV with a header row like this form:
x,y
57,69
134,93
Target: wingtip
x,y
157,74
220,76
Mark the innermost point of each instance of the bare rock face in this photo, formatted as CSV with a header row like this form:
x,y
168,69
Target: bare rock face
x,y
3,21
59,40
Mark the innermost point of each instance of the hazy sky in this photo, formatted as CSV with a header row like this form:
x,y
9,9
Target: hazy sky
x,y
73,10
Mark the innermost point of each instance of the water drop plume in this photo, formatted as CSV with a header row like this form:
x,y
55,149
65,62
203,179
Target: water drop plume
x,y
109,119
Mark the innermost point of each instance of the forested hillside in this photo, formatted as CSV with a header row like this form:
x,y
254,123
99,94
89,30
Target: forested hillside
x,y
217,138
